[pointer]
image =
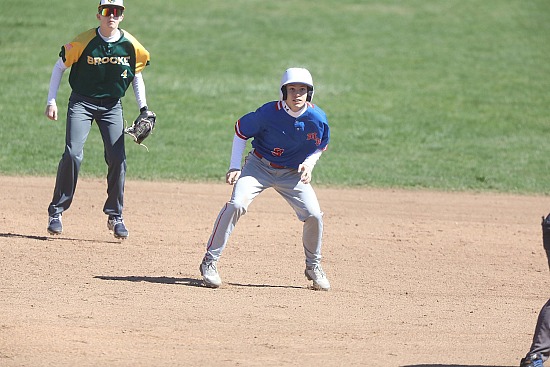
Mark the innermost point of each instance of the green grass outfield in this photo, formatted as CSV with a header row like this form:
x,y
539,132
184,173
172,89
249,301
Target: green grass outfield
x,y
439,94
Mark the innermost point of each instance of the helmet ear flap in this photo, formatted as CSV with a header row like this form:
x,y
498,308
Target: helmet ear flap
x,y
283,90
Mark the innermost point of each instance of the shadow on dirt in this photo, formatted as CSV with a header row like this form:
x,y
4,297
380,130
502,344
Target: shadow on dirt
x,y
183,281
30,237
265,286
160,280
452,365
52,238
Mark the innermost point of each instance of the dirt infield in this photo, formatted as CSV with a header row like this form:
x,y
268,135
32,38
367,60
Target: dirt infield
x,y
419,279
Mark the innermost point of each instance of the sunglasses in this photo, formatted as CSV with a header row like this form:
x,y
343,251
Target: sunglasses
x,y
108,11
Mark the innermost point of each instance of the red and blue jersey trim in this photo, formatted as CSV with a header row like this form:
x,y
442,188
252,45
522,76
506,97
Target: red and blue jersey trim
x,y
238,130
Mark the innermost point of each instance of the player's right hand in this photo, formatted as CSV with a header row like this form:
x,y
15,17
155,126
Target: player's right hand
x,y
232,176
51,112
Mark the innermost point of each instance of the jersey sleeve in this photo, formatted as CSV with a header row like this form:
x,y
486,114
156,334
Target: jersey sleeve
x,y
143,58
242,129
71,52
250,124
247,126
325,138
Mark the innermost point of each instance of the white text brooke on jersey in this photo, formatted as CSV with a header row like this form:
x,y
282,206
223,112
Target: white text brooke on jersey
x,y
117,60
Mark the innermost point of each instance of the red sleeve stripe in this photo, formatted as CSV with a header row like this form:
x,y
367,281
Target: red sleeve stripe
x,y
238,130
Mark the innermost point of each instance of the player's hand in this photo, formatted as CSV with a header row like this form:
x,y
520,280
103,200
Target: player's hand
x,y
232,176
51,112
306,173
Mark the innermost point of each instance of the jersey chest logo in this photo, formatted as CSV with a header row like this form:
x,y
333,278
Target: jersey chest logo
x,y
313,136
115,60
277,152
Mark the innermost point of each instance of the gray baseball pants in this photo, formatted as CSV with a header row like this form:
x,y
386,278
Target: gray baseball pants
x,y
257,176
81,113
541,338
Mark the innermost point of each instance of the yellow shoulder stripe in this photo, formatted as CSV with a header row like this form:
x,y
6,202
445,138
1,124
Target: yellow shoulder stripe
x,y
74,49
142,55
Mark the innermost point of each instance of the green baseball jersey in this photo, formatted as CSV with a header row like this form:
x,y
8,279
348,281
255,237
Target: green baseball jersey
x,y
102,69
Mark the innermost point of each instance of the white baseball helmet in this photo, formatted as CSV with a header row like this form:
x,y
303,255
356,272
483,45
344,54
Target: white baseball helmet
x,y
297,75
118,3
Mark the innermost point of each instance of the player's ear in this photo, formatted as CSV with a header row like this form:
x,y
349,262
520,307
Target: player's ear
x,y
97,16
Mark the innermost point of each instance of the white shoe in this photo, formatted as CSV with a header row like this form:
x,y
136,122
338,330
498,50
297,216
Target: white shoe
x,y
209,273
316,273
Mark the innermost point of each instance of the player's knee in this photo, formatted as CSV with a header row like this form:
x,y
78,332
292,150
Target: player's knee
x,y
314,217
546,231
73,155
546,223
237,207
116,161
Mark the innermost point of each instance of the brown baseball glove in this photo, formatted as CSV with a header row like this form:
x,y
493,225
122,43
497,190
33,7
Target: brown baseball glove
x,y
142,127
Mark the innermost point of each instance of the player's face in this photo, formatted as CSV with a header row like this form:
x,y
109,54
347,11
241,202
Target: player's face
x,y
296,96
110,17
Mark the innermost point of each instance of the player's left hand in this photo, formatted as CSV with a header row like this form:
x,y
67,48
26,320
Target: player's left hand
x,y
142,127
306,173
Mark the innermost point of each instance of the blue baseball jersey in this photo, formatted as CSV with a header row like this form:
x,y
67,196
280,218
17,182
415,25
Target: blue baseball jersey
x,y
281,138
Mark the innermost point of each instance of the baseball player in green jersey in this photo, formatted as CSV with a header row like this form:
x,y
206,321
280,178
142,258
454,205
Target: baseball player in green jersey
x,y
104,61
